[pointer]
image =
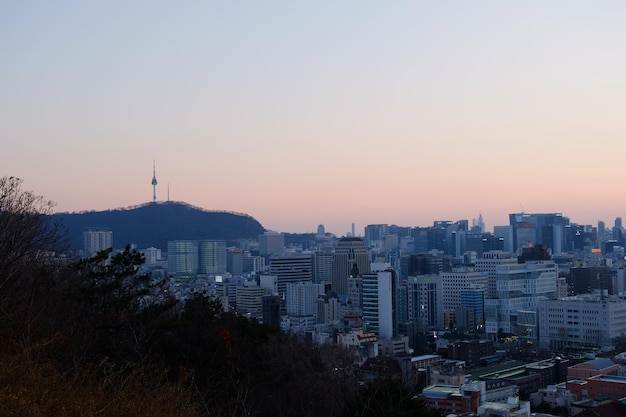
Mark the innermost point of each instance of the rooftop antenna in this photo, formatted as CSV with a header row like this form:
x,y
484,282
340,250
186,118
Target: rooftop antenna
x,y
154,181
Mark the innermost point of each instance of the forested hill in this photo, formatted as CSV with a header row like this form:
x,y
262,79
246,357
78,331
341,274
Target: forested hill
x,y
153,224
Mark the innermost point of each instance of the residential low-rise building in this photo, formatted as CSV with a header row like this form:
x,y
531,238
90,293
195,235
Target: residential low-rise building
x,y
450,398
588,369
598,387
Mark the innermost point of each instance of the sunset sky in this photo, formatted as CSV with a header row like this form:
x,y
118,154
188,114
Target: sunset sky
x,y
331,112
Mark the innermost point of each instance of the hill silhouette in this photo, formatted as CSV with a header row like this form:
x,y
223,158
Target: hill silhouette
x,y
153,224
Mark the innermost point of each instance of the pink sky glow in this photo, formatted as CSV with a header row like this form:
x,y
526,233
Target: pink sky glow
x,y
301,114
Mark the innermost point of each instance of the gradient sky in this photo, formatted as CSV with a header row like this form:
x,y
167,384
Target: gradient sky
x,y
331,112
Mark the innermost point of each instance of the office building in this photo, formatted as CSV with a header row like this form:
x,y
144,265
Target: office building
x,y
471,312
212,257
420,264
250,300
601,232
182,257
374,235
322,267
271,310
583,280
488,263
519,288
592,320
459,279
271,243
504,232
483,242
548,229
350,252
234,261
270,283
291,270
253,264
424,302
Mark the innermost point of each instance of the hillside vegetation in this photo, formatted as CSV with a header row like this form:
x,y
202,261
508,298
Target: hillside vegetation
x,y
96,338
153,224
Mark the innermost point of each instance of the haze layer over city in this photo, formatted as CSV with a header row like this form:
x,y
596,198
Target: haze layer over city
x,y
321,113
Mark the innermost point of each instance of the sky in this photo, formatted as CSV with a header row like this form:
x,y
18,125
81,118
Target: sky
x,y
325,112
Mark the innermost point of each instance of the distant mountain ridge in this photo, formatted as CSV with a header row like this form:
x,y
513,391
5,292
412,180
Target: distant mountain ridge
x,y
153,224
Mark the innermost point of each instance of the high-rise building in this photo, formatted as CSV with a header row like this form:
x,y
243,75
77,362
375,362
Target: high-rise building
x,y
270,283
379,302
250,300
472,300
291,270
547,229
96,240
302,298
586,279
601,232
488,263
354,299
151,255
322,267
519,288
271,243
212,256
585,320
234,261
374,234
328,309
459,279
420,264
182,257
350,252
504,232
252,263
271,310
424,301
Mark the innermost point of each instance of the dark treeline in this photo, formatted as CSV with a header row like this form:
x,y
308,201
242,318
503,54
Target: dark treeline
x,y
96,338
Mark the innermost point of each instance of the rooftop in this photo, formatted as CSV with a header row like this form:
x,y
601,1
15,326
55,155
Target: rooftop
x,y
440,391
598,363
610,378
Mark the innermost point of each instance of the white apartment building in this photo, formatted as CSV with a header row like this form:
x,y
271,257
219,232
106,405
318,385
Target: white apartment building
x,y
582,320
328,309
96,240
302,298
519,289
378,298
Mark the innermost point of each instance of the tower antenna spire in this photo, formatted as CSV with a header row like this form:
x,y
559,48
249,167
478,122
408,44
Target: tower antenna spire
x,y
154,181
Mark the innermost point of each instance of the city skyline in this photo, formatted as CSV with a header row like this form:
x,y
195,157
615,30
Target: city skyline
x,y
326,113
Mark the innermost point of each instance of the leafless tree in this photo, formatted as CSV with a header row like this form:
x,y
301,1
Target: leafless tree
x,y
29,240
27,233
